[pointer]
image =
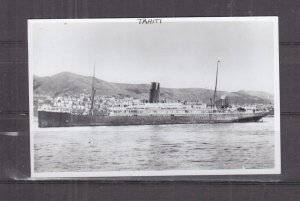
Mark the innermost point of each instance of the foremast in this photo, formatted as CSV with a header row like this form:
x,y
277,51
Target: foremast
x,y
93,92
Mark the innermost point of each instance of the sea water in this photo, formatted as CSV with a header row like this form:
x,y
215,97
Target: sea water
x,y
155,147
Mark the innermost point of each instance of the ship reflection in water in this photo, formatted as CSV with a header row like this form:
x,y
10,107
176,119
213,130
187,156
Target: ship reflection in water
x,y
155,147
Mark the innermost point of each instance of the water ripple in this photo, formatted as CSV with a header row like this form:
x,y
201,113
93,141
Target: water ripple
x,y
165,147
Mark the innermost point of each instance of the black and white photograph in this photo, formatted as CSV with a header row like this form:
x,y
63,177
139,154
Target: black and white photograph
x,y
154,96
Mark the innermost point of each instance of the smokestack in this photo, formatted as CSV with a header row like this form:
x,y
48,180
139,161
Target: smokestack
x,y
154,92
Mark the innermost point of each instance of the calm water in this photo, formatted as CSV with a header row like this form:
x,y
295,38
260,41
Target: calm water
x,y
163,147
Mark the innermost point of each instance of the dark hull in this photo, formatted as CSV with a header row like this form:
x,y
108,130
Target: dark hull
x,y
56,119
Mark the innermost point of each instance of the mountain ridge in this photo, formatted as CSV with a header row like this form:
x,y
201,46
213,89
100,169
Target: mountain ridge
x,y
66,83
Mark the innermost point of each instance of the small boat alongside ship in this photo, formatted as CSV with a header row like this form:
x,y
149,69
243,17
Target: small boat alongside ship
x,y
152,112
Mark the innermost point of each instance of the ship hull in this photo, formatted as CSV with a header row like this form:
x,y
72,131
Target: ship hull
x,y
58,119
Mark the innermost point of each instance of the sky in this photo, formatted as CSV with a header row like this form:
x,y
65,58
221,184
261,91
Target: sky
x,y
178,54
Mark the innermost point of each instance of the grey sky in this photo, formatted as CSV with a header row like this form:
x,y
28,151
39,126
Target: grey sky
x,y
176,54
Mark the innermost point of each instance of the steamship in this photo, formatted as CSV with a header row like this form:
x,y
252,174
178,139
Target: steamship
x,y
152,112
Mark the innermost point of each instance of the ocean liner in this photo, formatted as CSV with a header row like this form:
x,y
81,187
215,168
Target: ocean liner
x,y
151,112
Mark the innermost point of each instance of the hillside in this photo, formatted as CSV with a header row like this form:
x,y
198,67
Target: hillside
x,y
66,83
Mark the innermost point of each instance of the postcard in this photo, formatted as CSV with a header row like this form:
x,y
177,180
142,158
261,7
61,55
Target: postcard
x,y
154,96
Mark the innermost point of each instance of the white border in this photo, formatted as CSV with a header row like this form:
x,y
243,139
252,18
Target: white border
x,y
30,79
277,155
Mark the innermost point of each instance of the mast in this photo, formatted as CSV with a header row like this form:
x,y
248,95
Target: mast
x,y
93,91
215,93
